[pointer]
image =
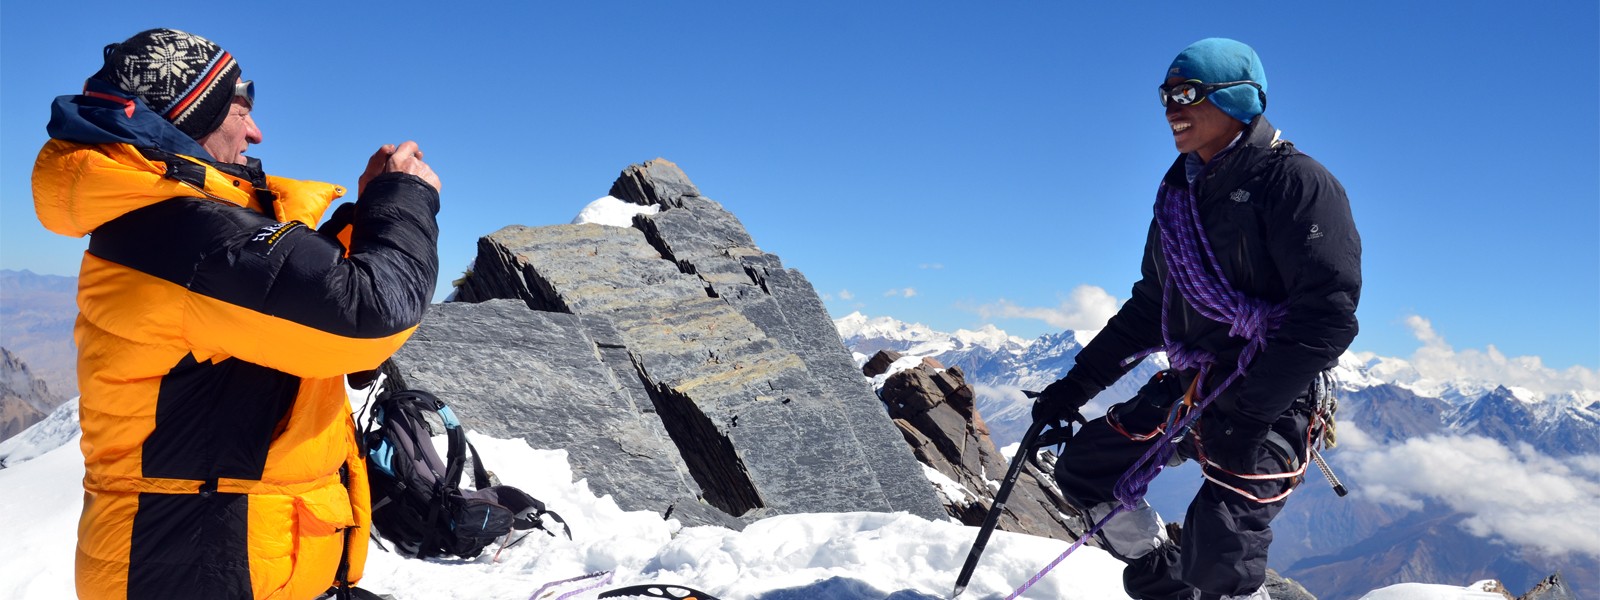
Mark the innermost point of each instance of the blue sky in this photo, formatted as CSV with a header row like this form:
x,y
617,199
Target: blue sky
x,y
1000,159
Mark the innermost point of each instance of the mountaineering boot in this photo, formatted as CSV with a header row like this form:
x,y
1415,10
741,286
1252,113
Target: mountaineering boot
x,y
1131,534
1259,594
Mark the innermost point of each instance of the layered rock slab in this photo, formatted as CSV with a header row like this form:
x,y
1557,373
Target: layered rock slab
x,y
558,381
740,363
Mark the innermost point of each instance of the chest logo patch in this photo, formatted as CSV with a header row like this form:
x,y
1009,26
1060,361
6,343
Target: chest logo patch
x,y
266,239
1239,196
1316,232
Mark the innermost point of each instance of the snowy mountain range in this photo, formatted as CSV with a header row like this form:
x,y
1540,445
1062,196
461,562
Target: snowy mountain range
x,y
1482,476
1561,422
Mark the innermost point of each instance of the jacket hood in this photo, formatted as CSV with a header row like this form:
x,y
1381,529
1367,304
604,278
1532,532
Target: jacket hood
x,y
104,114
110,154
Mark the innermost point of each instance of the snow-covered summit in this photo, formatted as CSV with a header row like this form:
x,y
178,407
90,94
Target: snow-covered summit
x,y
989,336
870,334
609,210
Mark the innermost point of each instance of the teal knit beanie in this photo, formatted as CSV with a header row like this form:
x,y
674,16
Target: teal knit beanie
x,y
1216,60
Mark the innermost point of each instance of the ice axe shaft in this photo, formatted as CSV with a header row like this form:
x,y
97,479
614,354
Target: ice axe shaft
x,y
1024,449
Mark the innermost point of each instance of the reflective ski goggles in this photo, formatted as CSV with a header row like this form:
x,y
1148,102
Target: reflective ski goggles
x,y
246,89
1194,91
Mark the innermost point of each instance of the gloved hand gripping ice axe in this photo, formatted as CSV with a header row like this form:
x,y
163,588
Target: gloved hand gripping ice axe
x,y
1036,437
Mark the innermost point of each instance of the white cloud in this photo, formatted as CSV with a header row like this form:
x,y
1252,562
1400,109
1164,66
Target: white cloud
x,y
931,266
1514,494
846,295
1087,307
903,293
1437,361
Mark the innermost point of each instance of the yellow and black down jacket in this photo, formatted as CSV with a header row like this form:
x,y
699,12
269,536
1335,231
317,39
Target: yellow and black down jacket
x,y
215,328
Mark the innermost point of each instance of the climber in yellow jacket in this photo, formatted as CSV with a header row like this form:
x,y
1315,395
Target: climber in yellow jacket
x,y
216,327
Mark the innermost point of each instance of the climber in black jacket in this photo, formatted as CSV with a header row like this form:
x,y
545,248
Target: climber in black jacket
x,y
1251,276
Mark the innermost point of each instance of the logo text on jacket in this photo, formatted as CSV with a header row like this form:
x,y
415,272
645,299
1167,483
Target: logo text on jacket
x,y
268,237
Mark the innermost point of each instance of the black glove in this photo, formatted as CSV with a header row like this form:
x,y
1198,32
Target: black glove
x,y
361,379
1234,443
1059,401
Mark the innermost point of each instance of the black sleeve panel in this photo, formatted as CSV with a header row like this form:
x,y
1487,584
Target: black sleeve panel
x,y
1136,327
387,281
287,270
1312,238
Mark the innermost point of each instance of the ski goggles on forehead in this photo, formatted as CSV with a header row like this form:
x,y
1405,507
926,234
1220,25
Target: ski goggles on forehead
x,y
246,89
1194,91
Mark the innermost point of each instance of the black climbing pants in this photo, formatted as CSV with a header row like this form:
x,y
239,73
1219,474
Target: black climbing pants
x,y
1223,548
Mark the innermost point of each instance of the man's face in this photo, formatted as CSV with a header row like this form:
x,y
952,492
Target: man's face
x,y
228,143
1202,127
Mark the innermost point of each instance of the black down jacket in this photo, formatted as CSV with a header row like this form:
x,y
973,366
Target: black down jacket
x,y
1280,226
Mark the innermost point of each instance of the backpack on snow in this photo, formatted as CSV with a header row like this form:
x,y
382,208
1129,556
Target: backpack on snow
x,y
417,501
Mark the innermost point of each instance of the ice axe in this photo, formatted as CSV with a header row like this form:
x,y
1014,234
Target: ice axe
x,y
1035,438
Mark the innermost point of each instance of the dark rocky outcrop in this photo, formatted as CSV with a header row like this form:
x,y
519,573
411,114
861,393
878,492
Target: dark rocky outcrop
x,y
677,344
1283,588
933,408
1551,588
24,399
880,363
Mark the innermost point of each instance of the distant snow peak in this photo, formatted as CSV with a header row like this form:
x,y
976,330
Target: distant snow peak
x,y
1522,393
1361,370
877,333
856,324
990,337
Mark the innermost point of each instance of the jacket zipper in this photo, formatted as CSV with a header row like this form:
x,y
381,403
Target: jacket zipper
x,y
342,576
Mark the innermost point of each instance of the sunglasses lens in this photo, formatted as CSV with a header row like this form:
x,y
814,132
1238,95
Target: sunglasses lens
x,y
1185,94
246,89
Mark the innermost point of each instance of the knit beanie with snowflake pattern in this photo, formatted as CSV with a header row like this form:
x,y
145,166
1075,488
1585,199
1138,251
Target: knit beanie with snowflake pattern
x,y
185,78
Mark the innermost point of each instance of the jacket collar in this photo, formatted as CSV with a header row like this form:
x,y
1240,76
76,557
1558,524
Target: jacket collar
x,y
78,187
1240,160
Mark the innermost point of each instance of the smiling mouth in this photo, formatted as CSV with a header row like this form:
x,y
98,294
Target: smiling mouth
x,y
1181,127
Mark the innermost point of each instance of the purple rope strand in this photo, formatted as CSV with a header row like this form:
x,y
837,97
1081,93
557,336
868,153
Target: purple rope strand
x,y
592,586
604,578
1081,540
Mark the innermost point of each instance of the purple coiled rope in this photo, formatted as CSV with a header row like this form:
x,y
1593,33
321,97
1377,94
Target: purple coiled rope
x,y
1193,268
